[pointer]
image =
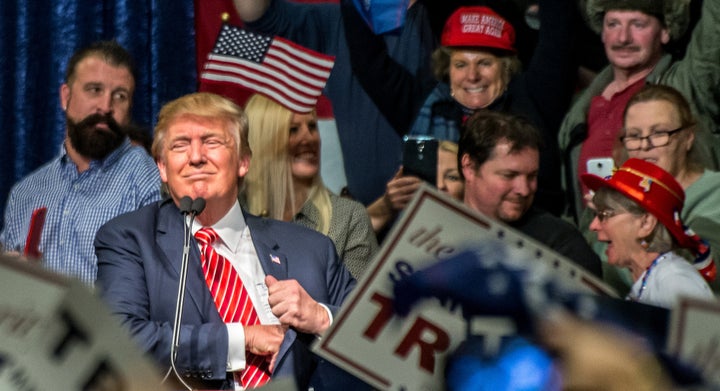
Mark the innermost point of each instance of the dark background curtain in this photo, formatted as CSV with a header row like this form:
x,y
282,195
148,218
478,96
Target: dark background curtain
x,y
38,37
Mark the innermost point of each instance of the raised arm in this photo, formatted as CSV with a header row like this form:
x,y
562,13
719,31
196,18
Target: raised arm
x,y
251,10
697,75
551,72
396,92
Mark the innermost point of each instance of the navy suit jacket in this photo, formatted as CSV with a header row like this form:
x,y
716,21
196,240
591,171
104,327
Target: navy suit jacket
x,y
139,261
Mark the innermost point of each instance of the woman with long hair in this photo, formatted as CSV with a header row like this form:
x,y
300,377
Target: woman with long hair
x,y
285,182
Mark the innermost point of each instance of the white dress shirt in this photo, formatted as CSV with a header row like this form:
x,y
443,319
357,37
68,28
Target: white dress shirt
x,y
235,244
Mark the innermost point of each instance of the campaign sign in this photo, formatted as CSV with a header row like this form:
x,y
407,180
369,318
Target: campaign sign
x,y
695,336
56,335
392,353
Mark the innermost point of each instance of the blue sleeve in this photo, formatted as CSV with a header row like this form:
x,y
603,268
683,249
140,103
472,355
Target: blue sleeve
x,y
315,26
550,75
9,236
397,92
339,281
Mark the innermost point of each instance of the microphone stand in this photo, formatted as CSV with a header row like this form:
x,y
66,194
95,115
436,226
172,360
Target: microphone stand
x,y
190,209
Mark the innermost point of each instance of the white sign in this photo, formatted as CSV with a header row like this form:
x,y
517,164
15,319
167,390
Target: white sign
x,y
695,336
392,353
57,336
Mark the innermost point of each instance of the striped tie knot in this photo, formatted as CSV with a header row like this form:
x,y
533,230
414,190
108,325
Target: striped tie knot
x,y
206,236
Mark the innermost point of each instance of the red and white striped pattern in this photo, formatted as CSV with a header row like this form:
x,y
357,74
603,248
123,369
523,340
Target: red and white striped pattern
x,y
284,71
232,301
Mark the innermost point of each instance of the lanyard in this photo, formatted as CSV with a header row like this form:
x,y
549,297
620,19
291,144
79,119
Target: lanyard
x,y
643,285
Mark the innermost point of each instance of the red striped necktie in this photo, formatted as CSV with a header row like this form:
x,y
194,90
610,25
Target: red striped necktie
x,y
233,303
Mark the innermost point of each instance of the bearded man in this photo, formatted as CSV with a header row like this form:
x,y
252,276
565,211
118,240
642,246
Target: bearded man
x,y
98,174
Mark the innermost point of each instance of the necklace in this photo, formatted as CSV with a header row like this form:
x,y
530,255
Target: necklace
x,y
643,285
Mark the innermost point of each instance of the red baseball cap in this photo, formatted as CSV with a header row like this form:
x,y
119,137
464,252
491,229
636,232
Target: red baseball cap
x,y
478,27
652,188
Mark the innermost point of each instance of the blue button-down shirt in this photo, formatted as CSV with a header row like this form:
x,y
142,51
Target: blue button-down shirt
x,y
78,204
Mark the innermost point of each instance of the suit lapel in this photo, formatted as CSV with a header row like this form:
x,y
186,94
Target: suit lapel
x,y
170,241
271,256
273,261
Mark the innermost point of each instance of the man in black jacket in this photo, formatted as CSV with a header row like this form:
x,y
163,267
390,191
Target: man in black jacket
x,y
498,156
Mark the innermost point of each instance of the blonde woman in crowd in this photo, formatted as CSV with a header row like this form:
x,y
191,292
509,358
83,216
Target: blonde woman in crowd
x,y
401,188
285,182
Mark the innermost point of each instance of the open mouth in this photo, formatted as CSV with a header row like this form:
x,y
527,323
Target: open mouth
x,y
305,157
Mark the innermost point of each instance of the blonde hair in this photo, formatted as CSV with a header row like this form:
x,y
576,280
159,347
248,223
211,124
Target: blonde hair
x,y
448,146
206,106
269,186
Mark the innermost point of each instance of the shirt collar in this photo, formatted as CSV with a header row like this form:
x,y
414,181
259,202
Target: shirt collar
x,y
229,228
109,160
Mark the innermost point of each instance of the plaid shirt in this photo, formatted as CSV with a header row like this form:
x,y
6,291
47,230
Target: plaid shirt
x,y
78,204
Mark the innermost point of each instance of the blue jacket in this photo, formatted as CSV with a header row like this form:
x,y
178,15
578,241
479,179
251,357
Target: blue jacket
x,y
139,258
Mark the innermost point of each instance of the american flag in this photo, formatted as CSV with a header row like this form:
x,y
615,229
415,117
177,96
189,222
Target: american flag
x,y
292,75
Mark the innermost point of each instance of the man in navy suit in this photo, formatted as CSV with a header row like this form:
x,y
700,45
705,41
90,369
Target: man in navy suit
x,y
292,275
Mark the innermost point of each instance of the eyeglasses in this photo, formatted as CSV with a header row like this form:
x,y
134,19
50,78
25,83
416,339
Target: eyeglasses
x,y
657,139
603,215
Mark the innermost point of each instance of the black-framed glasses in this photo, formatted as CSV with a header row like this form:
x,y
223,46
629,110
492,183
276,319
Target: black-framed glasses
x,y
657,139
603,215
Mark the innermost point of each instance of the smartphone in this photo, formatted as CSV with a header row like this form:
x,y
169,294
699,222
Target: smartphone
x,y
420,157
601,166
32,242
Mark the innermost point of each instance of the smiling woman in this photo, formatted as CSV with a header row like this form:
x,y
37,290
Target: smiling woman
x,y
477,68
285,182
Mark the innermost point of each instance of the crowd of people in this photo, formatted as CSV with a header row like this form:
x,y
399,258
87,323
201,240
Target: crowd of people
x,y
274,252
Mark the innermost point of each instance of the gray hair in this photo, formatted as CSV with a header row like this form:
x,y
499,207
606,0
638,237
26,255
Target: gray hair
x,y
660,240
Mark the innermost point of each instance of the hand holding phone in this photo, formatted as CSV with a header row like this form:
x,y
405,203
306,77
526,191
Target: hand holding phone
x,y
420,158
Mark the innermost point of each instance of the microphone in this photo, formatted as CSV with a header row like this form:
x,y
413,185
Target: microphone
x,y
198,205
189,208
185,205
